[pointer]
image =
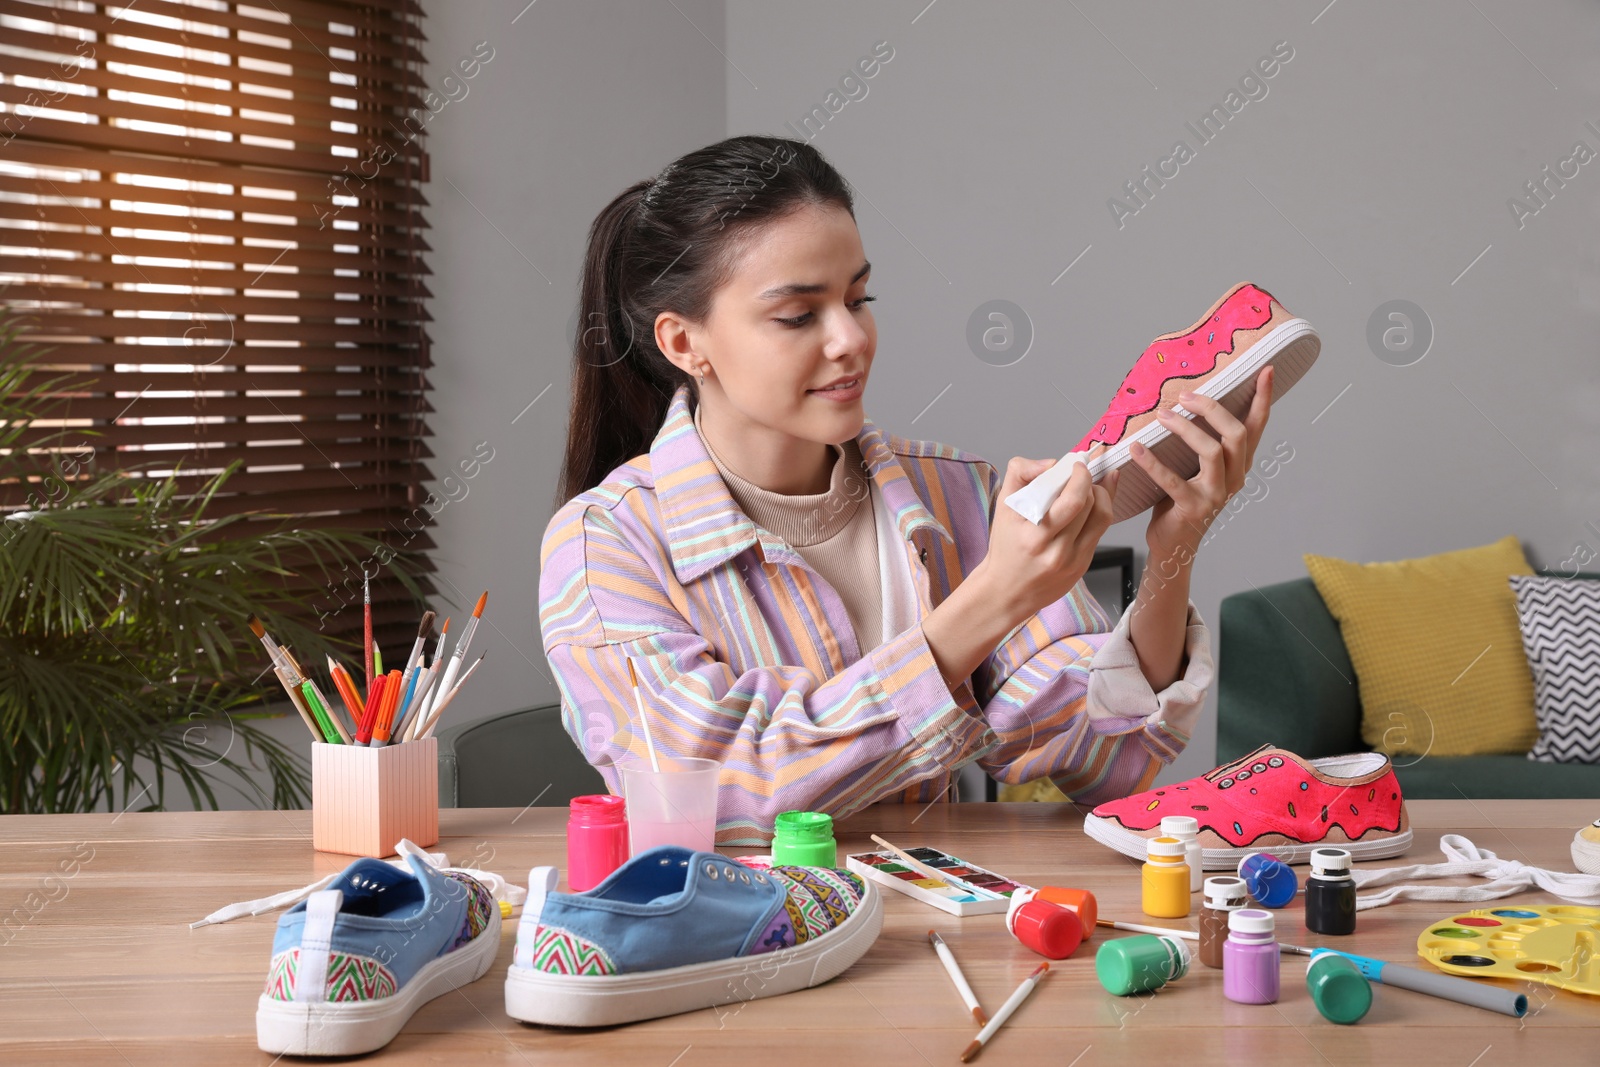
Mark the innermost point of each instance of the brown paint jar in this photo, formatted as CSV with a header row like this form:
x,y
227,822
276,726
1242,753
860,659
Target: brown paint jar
x,y
1222,896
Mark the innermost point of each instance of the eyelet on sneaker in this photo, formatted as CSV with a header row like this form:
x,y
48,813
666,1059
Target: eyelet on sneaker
x,y
744,876
1225,783
761,879
1258,767
711,870
1275,761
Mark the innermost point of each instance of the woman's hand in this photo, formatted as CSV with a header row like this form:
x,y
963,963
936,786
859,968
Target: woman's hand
x,y
1026,568
1030,566
1179,523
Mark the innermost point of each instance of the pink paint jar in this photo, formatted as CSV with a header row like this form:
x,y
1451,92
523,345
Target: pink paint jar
x,y
597,840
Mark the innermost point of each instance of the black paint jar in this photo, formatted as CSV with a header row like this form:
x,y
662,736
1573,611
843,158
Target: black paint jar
x,y
1330,893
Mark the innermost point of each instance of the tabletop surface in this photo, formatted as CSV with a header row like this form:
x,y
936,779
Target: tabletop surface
x,y
100,965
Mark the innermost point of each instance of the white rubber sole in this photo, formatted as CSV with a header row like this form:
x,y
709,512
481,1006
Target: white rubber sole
x,y
1290,347
349,1028
608,1000
1115,836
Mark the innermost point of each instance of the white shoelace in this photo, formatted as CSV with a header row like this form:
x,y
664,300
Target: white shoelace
x,y
498,886
1462,857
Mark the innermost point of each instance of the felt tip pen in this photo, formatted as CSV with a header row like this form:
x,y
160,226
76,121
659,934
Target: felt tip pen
x,y
347,692
1434,984
405,702
369,718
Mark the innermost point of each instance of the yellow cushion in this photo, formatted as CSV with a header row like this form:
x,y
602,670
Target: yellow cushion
x,y
1436,648
1040,789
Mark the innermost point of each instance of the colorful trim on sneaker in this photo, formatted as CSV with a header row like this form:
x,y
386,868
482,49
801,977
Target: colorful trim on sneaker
x,y
350,977
479,903
557,951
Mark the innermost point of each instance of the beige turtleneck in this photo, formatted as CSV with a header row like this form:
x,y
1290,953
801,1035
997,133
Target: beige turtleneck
x,y
833,531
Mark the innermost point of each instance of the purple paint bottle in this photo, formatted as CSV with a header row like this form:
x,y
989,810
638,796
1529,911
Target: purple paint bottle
x,y
1250,958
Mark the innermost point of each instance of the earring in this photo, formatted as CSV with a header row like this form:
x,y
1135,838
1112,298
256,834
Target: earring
x,y
702,376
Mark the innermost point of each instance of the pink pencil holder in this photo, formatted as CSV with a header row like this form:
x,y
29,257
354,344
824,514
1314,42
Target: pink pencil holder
x,y
364,800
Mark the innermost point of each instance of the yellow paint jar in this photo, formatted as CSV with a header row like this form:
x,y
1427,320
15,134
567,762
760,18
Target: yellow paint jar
x,y
1165,879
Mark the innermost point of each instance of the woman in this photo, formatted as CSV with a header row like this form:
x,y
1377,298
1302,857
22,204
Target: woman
x,y
838,615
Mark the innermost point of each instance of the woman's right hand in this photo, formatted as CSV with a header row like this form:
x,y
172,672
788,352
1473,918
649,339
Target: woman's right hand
x,y
1027,568
1030,566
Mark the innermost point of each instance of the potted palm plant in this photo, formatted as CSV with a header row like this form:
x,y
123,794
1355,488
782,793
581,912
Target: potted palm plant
x,y
125,664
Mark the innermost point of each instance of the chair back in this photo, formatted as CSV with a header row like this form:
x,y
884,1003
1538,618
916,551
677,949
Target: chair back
x,y
513,760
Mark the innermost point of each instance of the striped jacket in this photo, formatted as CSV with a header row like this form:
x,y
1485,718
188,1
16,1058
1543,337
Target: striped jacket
x,y
746,655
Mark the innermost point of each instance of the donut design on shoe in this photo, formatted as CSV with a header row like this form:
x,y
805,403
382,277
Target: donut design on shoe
x,y
1181,358
1220,357
1273,800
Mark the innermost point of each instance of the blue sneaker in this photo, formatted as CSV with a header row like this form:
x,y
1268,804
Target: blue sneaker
x,y
353,962
673,930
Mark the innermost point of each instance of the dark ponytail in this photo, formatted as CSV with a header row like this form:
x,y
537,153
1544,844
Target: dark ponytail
x,y
668,244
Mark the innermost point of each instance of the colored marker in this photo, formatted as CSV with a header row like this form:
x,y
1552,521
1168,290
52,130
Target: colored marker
x,y
347,691
1434,984
405,702
332,732
369,717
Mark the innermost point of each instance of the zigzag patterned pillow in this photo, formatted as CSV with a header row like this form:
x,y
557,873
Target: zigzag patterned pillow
x,y
1560,622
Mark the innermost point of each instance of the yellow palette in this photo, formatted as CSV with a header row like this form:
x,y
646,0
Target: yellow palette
x,y
1559,946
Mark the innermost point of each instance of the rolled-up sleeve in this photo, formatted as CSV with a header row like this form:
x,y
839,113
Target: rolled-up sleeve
x,y
1080,711
1120,698
1066,699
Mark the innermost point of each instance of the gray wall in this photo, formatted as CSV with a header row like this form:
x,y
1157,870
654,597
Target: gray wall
x,y
1377,166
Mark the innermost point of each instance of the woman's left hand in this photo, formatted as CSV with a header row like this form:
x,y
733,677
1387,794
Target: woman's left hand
x,y
1179,522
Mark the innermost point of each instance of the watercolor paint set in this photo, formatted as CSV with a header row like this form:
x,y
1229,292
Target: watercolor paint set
x,y
961,888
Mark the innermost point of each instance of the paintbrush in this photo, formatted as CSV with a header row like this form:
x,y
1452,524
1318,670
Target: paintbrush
x,y
288,677
644,720
1140,928
1000,1017
1187,935
926,871
409,676
366,625
433,717
454,666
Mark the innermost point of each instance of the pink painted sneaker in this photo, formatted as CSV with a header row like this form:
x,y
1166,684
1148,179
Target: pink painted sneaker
x,y
1270,801
1219,356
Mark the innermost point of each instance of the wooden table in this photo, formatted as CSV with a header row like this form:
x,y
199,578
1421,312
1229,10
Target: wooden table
x,y
101,966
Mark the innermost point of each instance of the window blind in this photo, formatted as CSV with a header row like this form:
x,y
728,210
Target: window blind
x,y
211,213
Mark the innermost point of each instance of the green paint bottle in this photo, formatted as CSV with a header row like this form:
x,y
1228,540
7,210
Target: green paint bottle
x,y
1338,988
1141,963
804,839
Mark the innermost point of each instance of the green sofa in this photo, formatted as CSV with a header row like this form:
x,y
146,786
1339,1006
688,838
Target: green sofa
x,y
1284,677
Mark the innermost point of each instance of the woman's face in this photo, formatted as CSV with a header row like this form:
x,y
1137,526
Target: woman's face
x,y
792,318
